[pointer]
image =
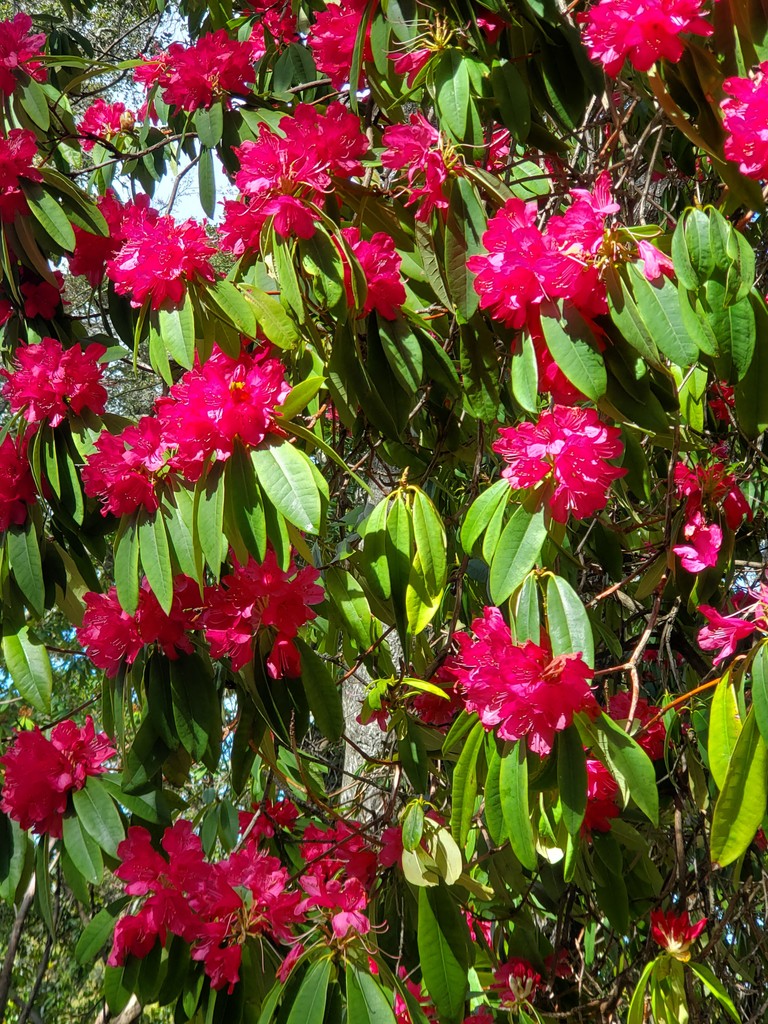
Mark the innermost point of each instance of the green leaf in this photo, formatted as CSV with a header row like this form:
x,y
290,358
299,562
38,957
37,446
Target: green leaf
x,y
273,319
288,481
351,604
127,565
177,328
464,229
524,374
398,546
413,756
179,518
527,614
464,785
636,1011
513,788
34,102
570,630
195,702
481,512
98,931
494,811
628,762
244,504
429,537
711,984
759,673
206,182
83,851
626,316
413,825
209,124
323,695
50,215
373,562
210,494
452,94
234,306
568,340
442,942
98,815
367,1002
309,1005
156,557
659,307
30,668
724,729
516,552
572,778
24,560
751,394
512,99
740,808
300,396
698,246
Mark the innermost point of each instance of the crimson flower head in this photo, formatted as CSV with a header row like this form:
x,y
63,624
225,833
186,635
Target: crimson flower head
x,y
651,737
520,690
40,773
745,116
516,981
103,120
675,933
602,793
159,258
644,32
332,40
381,265
18,48
566,453
93,251
711,485
17,485
18,150
47,381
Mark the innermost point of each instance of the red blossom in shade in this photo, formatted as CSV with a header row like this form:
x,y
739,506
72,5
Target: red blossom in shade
x,y
339,850
104,120
520,690
712,485
110,635
703,547
255,597
516,981
402,1014
332,40
268,817
482,1015
18,48
651,737
602,793
675,933
214,68
415,148
722,632
40,773
277,17
126,471
47,381
17,485
93,251
722,399
381,265
745,119
41,298
644,32
219,403
566,453
18,150
158,259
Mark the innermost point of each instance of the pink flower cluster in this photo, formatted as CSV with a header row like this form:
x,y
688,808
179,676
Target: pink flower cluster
x,y
332,40
724,632
418,150
214,907
18,150
745,119
214,68
643,33
520,690
102,121
18,48
40,773
92,252
47,381
380,262
17,485
565,455
706,487
285,174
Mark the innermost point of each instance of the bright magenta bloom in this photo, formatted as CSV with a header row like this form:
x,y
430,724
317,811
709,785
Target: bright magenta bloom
x,y
602,792
18,48
93,251
616,30
675,933
381,263
47,381
520,690
40,773
703,547
566,452
332,40
17,485
18,150
104,120
713,485
745,119
126,470
277,18
723,632
255,597
414,148
222,401
159,258
516,981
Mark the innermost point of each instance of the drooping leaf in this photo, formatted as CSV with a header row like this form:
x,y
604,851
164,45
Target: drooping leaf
x,y
740,808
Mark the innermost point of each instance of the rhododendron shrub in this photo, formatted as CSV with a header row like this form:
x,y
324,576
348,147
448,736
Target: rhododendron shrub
x,y
384,622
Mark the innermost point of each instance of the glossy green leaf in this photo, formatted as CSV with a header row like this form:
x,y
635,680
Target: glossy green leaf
x,y
715,987
26,565
512,99
210,496
177,328
464,785
98,815
351,604
513,788
206,182
243,502
98,931
127,565
155,557
572,778
516,552
628,762
452,93
570,341
232,304
524,374
309,1004
209,124
570,630
464,230
323,695
273,319
480,513
740,808
45,209
366,1000
286,477
30,668
659,307
83,850
195,702
442,941
724,729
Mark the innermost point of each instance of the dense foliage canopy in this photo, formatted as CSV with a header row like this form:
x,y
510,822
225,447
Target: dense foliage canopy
x,y
382,558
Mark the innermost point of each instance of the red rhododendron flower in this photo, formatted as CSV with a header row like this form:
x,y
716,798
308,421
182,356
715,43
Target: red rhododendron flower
x,y
520,690
158,258
214,68
675,933
642,32
602,793
345,898
255,597
126,470
516,981
712,485
332,40
411,62
402,1013
104,120
381,265
47,381
566,452
339,850
277,17
18,48
745,119
270,816
41,298
415,148
219,403
703,547
17,485
110,635
722,633
651,738
722,399
18,150
93,251
40,773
